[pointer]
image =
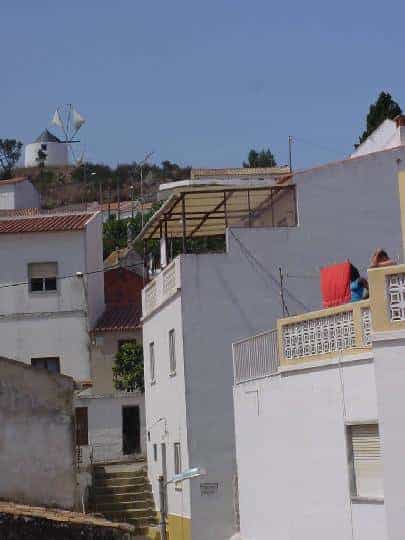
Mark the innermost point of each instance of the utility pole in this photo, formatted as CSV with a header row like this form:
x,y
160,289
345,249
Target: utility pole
x,y
162,500
140,166
132,200
290,140
118,198
284,305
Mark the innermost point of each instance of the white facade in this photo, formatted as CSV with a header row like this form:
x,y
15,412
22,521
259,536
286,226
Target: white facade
x,y
54,323
390,134
17,194
56,154
225,297
293,465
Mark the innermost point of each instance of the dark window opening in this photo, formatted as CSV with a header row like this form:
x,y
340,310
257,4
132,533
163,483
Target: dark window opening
x,y
51,363
82,426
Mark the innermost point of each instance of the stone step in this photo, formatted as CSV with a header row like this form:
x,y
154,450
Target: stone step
x,y
101,473
124,506
130,514
138,496
116,482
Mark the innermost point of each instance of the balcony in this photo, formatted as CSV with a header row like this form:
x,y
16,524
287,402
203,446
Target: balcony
x,y
328,333
161,288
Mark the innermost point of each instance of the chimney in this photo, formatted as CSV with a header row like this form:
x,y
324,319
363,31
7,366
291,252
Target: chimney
x,y
400,120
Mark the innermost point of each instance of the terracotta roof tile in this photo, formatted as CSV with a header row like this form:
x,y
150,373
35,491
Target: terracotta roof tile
x,y
119,318
67,222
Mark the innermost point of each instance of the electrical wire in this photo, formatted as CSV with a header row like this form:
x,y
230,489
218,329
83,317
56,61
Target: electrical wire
x,y
77,274
276,282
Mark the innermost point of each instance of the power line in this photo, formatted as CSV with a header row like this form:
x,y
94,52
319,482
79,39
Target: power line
x,y
77,274
271,276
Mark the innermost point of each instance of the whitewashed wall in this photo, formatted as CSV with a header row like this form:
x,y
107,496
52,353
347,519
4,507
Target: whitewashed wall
x,y
56,154
292,458
166,399
48,324
94,266
26,195
7,197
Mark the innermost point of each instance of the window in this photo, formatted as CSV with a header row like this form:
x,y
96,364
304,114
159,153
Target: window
x,y
43,147
42,277
177,458
51,363
172,351
155,452
365,461
82,426
152,362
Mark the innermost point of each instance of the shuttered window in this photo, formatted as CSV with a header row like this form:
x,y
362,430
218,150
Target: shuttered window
x,y
366,464
82,426
42,276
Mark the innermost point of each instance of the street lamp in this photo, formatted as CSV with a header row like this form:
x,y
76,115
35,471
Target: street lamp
x,y
140,166
194,472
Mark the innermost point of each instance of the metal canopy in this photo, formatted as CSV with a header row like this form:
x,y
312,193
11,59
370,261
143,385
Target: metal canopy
x,y
208,212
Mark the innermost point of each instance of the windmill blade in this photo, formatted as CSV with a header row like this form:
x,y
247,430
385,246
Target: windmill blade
x,y
78,120
56,119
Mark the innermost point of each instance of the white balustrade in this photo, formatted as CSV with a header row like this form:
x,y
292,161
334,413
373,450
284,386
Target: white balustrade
x,y
161,288
396,296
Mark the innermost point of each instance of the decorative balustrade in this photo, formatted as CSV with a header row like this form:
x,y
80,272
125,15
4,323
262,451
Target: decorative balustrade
x,y
255,357
161,288
387,295
325,333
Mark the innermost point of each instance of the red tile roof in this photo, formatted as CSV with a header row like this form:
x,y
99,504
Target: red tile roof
x,y
119,318
67,222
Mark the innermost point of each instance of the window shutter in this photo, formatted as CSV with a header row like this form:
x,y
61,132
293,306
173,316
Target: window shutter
x,y
82,426
43,270
367,461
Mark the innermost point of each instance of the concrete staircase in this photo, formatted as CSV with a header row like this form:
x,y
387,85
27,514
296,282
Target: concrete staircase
x,y
123,494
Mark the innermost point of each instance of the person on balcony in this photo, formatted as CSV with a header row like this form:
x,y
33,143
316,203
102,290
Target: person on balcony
x,y
358,285
380,258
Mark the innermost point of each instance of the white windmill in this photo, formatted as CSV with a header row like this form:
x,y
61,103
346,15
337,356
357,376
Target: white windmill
x,y
56,150
70,121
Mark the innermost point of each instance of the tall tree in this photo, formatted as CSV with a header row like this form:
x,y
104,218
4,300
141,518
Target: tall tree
x,y
128,368
385,107
10,153
263,158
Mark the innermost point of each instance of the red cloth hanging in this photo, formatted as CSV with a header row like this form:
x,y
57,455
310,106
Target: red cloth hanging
x,y
335,284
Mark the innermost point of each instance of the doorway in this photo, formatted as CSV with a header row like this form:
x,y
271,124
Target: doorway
x,y
131,430
164,466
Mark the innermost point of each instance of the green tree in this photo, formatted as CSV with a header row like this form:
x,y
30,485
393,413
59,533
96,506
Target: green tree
x,y
263,158
10,153
41,159
128,368
385,107
114,234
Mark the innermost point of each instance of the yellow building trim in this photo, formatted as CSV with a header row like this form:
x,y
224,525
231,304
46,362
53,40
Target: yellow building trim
x,y
179,527
380,312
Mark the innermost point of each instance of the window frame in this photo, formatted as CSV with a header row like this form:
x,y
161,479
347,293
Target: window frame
x,y
46,359
172,352
82,434
353,478
152,362
177,464
155,452
44,290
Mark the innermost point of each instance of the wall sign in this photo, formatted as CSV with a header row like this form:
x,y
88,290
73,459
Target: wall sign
x,y
209,488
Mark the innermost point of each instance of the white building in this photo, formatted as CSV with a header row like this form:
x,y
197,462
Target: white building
x,y
201,303
51,290
390,134
55,150
17,194
318,416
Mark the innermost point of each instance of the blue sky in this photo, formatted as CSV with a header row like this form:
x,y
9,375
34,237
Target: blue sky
x,y
201,82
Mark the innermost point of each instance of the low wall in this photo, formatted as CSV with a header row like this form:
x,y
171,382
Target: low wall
x,y
37,463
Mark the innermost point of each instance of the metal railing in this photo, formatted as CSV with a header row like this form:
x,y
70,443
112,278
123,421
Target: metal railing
x,y
255,357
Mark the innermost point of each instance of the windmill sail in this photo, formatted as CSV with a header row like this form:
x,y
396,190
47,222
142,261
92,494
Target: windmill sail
x,y
56,119
78,120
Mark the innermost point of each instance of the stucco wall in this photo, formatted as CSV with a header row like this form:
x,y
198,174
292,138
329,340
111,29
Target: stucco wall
x,y
7,197
56,154
49,324
26,196
105,423
36,436
390,380
292,458
103,358
165,399
94,266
